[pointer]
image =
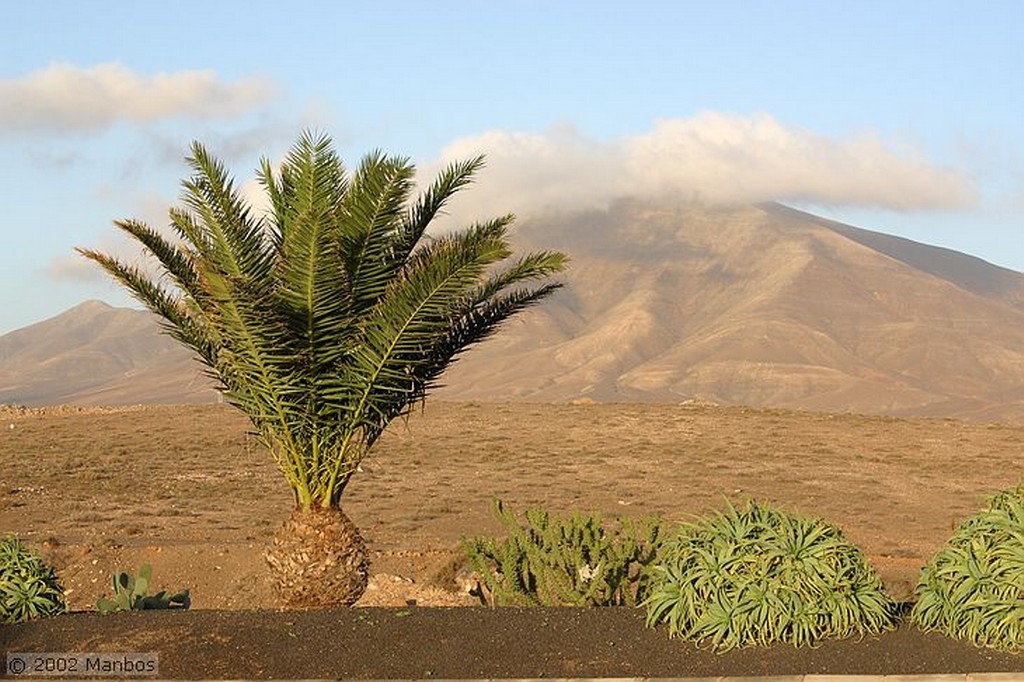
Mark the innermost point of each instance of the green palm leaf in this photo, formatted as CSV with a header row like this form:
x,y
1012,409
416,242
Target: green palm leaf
x,y
332,314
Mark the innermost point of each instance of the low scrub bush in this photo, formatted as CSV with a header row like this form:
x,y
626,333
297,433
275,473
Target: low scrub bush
x,y
570,561
132,594
28,586
757,576
973,589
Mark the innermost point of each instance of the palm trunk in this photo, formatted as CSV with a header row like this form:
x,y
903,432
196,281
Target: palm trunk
x,y
318,560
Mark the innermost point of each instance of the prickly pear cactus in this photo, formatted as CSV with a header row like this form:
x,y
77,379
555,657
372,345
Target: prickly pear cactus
x,y
572,561
132,594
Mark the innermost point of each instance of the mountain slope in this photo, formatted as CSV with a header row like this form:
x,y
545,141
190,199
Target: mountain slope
x,y
756,305
94,354
967,272
763,306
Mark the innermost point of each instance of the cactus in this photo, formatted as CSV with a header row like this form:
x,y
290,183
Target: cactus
x,y
572,561
132,594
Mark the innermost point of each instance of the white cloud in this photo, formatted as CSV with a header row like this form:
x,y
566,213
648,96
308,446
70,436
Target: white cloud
x,y
63,97
722,158
711,157
558,169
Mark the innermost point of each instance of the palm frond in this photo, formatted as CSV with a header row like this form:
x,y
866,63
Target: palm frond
x,y
416,311
189,230
451,180
536,265
315,295
230,235
482,321
278,189
176,262
177,321
369,221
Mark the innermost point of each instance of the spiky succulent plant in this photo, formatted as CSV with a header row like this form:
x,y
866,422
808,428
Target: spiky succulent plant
x,y
973,588
757,576
29,587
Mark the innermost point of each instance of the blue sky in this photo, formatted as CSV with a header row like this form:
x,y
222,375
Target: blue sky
x,y
902,117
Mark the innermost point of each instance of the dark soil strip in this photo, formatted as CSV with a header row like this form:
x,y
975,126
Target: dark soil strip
x,y
465,643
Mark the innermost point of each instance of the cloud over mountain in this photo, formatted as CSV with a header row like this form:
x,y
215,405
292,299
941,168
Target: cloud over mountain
x,y
712,157
64,97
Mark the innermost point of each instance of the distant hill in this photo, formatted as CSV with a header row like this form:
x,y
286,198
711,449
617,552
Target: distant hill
x,y
94,354
761,305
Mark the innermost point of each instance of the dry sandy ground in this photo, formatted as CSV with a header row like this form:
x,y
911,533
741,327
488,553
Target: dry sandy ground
x,y
188,491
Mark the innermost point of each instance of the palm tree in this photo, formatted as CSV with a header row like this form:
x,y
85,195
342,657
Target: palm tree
x,y
325,318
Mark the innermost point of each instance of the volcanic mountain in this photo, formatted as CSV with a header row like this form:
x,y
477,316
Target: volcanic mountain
x,y
762,305
94,354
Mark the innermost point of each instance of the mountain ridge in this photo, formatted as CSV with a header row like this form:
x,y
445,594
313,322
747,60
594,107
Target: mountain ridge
x,y
970,272
760,305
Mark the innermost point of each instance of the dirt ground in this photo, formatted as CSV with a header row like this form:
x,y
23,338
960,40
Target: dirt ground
x,y
185,489
471,643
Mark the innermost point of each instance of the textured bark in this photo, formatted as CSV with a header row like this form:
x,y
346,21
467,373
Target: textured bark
x,y
318,560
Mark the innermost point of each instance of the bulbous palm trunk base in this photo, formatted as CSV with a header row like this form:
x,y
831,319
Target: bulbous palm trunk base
x,y
318,560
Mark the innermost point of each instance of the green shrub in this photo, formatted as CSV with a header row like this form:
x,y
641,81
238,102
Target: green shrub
x,y
573,561
28,586
973,589
132,594
756,576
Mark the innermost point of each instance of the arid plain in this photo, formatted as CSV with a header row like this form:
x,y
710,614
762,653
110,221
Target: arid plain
x,y
623,394
186,489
